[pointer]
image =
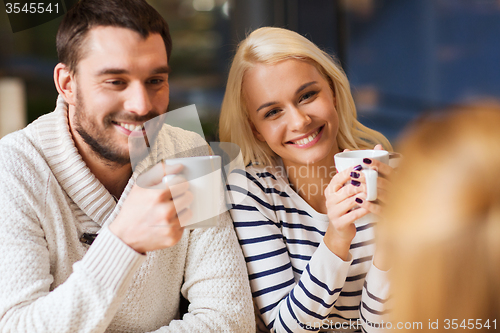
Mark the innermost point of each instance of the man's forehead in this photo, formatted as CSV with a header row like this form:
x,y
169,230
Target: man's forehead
x,y
117,43
106,35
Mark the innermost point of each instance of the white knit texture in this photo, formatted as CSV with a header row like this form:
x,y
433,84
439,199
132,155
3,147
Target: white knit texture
x,y
51,282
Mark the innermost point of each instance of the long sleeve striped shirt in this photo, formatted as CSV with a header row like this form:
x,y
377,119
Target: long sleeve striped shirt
x,y
297,283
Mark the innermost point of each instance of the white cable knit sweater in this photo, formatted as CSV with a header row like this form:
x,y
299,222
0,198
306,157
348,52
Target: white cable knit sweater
x,y
51,282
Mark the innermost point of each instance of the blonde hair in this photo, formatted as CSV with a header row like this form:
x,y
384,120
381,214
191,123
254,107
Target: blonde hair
x,y
442,222
270,46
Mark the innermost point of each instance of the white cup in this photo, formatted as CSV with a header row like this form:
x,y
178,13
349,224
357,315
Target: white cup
x,y
351,158
203,174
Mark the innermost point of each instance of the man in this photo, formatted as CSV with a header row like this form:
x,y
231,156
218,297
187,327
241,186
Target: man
x,y
68,175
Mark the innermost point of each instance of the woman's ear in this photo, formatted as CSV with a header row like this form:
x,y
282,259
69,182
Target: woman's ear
x,y
257,133
65,83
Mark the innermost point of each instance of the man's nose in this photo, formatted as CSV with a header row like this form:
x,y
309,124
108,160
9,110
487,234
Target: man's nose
x,y
298,119
137,99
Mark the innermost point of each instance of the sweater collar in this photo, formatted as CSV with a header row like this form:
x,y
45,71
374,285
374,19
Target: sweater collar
x,y
68,167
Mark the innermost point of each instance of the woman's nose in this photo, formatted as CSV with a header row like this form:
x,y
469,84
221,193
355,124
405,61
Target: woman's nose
x,y
298,119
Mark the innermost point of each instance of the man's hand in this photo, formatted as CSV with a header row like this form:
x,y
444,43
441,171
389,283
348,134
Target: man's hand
x,y
149,220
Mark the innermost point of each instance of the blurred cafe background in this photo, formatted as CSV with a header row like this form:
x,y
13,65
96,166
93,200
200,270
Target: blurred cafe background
x,y
403,57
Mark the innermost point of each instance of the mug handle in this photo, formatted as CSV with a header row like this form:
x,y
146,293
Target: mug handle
x,y
371,184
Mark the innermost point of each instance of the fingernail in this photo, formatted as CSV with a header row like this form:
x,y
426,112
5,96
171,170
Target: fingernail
x,y
367,161
358,167
358,200
354,174
355,183
167,178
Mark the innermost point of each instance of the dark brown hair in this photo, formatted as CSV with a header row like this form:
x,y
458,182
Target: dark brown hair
x,y
136,15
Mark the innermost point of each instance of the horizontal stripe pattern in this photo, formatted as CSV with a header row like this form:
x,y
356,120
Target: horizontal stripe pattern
x,y
296,281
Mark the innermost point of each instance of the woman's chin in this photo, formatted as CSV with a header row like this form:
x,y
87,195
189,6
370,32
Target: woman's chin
x,y
312,160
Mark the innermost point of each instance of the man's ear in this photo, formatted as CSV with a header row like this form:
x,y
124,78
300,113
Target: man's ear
x,y
65,83
257,133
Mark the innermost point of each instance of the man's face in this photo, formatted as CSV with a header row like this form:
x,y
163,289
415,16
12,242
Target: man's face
x,y
121,82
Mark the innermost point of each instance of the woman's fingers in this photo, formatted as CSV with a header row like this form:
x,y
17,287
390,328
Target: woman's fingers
x,y
339,180
371,207
383,169
356,214
342,207
383,184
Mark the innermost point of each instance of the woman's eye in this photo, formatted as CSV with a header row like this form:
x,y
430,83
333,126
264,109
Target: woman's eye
x,y
308,95
271,113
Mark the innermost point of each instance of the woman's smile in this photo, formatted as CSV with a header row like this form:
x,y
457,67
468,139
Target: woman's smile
x,y
307,140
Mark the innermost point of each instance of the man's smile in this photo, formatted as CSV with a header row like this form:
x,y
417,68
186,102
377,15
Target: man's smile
x,y
130,129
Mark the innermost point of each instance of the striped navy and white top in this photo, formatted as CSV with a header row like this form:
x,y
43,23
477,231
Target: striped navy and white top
x,y
297,283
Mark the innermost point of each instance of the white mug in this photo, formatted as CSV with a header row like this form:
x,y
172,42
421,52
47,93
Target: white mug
x,y
351,158
204,176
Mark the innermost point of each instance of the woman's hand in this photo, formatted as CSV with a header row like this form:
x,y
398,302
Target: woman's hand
x,y
340,200
346,191
383,183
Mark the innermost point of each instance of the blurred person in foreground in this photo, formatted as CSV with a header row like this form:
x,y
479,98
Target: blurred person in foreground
x,y
441,233
288,105
68,176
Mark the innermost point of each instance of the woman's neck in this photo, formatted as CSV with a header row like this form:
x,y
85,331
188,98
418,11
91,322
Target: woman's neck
x,y
311,180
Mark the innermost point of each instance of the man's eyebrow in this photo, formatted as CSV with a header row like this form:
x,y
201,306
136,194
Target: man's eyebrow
x,y
107,71
302,87
117,71
162,70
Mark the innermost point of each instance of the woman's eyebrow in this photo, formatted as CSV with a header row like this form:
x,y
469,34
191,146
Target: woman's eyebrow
x,y
265,105
304,86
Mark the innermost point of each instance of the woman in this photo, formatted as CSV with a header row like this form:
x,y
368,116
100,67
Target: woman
x,y
442,228
289,107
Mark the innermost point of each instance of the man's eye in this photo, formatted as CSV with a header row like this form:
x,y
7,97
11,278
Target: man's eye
x,y
156,81
115,82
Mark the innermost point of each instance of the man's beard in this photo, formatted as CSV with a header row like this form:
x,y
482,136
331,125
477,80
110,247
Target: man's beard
x,y
101,145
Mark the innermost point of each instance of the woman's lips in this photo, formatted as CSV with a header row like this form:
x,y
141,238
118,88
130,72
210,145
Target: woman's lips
x,y
308,141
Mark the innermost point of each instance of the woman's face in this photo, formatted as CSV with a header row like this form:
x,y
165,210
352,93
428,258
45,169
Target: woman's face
x,y
292,109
